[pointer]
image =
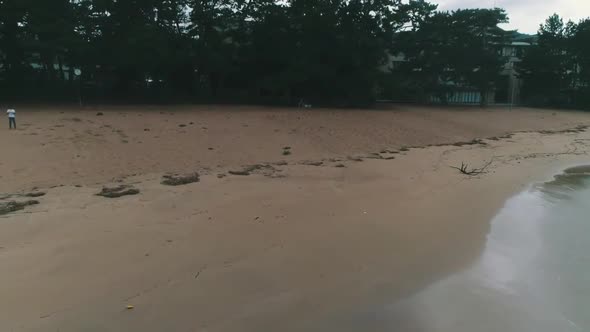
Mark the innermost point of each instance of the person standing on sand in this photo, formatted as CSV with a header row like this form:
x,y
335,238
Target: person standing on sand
x,y
11,118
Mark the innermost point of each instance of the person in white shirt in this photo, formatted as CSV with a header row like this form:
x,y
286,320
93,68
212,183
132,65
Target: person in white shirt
x,y
11,118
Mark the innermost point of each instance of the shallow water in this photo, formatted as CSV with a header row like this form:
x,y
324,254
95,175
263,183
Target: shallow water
x,y
534,274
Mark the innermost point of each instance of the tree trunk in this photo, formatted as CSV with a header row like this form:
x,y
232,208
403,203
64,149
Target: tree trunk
x,y
483,102
61,69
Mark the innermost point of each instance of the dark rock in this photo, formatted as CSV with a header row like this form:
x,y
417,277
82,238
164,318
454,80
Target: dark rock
x,y
240,173
35,194
179,180
118,191
265,169
13,206
472,142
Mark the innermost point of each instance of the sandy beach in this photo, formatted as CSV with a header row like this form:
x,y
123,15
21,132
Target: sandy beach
x,y
341,211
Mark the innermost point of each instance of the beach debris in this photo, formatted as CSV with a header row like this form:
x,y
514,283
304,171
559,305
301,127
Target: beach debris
x,y
464,169
303,104
353,158
287,151
99,114
130,307
13,206
119,191
340,166
243,172
575,130
404,149
472,142
312,163
374,156
35,194
179,180
267,170
221,175
182,125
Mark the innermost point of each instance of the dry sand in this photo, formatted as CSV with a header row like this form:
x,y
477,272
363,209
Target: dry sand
x,y
292,247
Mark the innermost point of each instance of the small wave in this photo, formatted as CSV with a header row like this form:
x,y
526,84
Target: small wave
x,y
531,275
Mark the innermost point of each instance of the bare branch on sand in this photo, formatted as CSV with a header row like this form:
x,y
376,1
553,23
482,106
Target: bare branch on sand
x,y
464,169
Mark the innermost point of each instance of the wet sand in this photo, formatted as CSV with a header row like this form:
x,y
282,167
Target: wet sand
x,y
304,244
531,276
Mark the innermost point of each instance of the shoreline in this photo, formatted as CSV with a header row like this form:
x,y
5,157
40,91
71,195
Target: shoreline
x,y
503,289
256,252
56,146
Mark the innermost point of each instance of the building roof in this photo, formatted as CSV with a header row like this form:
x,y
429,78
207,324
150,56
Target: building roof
x,y
518,43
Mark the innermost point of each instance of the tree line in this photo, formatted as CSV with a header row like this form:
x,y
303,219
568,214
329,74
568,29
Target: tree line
x,y
556,70
331,52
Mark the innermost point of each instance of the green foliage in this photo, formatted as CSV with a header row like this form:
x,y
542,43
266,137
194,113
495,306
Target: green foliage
x,y
227,50
556,70
460,48
581,50
334,52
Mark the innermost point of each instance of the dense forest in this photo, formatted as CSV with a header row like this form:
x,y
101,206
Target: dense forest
x,y
330,52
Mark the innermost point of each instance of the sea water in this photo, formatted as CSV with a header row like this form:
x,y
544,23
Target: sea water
x,y
534,274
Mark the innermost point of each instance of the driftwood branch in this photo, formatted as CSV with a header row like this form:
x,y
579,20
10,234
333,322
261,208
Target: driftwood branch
x,y
464,169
